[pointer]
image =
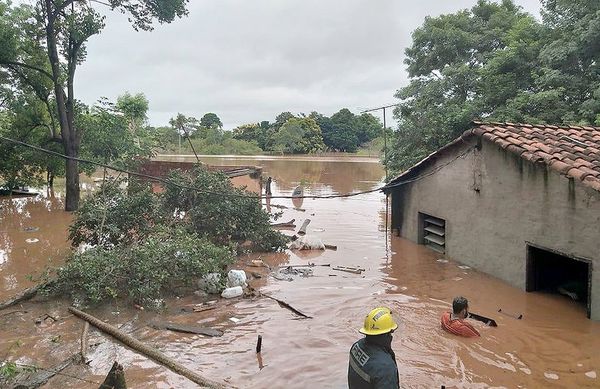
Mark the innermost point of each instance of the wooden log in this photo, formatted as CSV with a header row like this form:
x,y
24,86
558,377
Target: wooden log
x,y
354,270
84,341
185,328
287,306
151,353
115,379
330,247
302,230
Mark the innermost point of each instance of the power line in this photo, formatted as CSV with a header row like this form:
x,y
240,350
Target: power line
x,y
204,191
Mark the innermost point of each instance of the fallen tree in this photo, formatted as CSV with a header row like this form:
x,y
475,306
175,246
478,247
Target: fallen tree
x,y
148,351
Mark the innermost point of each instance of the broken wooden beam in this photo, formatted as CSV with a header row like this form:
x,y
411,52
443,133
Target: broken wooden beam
x,y
302,230
146,350
287,306
348,269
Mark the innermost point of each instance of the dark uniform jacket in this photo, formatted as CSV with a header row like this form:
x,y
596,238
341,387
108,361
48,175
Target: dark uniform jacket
x,y
372,366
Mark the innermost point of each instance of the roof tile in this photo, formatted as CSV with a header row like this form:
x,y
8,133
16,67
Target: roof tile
x,y
576,173
570,150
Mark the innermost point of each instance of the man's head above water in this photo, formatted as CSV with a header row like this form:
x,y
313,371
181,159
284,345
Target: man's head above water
x,y
460,307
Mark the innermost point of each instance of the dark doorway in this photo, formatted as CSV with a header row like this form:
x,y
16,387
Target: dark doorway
x,y
553,272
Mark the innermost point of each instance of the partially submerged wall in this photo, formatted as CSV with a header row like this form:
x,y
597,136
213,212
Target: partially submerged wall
x,y
494,203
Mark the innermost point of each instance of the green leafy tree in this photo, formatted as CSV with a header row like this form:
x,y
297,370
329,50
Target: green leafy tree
x,y
42,45
481,62
570,74
109,136
135,110
211,120
299,136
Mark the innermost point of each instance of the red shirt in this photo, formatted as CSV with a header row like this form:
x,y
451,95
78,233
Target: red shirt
x,y
458,326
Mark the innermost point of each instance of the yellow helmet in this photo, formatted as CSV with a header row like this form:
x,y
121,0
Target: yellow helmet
x,y
379,321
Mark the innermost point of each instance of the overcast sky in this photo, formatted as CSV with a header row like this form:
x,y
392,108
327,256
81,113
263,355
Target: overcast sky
x,y
248,60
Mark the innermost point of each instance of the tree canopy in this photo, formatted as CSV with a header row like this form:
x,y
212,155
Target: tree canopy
x,y
496,62
42,45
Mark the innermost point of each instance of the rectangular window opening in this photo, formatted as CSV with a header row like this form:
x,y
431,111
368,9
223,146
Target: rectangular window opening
x,y
551,272
432,232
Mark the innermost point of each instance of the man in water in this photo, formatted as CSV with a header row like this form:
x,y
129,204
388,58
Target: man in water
x,y
372,363
454,322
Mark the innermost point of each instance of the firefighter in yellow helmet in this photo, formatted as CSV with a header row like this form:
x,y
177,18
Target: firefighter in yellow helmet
x,y
372,363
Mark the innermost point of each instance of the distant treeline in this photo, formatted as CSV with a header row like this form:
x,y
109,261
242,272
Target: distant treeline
x,y
288,134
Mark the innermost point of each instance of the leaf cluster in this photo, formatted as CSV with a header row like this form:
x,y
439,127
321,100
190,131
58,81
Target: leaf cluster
x,y
498,63
144,271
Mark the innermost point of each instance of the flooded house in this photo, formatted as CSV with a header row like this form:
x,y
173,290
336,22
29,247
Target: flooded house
x,y
520,202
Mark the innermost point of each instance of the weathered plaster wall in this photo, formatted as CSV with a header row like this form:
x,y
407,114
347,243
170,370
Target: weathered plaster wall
x,y
517,202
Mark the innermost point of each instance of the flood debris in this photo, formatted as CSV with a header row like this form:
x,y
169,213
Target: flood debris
x,y
115,379
296,271
289,224
349,269
230,293
185,328
259,344
286,305
35,377
45,317
236,278
146,350
513,315
302,230
483,319
307,243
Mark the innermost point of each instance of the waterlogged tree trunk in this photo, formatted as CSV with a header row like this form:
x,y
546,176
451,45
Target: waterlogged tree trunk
x,y
70,138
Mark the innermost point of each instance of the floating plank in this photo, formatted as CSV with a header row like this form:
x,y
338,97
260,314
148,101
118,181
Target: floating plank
x,y
186,328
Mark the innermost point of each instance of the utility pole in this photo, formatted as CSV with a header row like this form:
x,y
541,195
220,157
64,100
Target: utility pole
x,y
384,133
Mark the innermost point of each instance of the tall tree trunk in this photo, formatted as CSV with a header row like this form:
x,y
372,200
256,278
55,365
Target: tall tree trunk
x,y
70,138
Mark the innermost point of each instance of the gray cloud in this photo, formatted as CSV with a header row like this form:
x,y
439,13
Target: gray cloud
x,y
249,60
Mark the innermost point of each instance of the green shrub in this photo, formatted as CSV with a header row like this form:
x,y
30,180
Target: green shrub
x,y
144,272
114,215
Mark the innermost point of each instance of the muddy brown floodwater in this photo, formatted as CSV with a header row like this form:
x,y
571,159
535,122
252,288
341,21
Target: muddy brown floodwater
x,y
554,345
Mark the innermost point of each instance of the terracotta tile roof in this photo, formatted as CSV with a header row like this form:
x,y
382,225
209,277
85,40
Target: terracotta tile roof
x,y
570,150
